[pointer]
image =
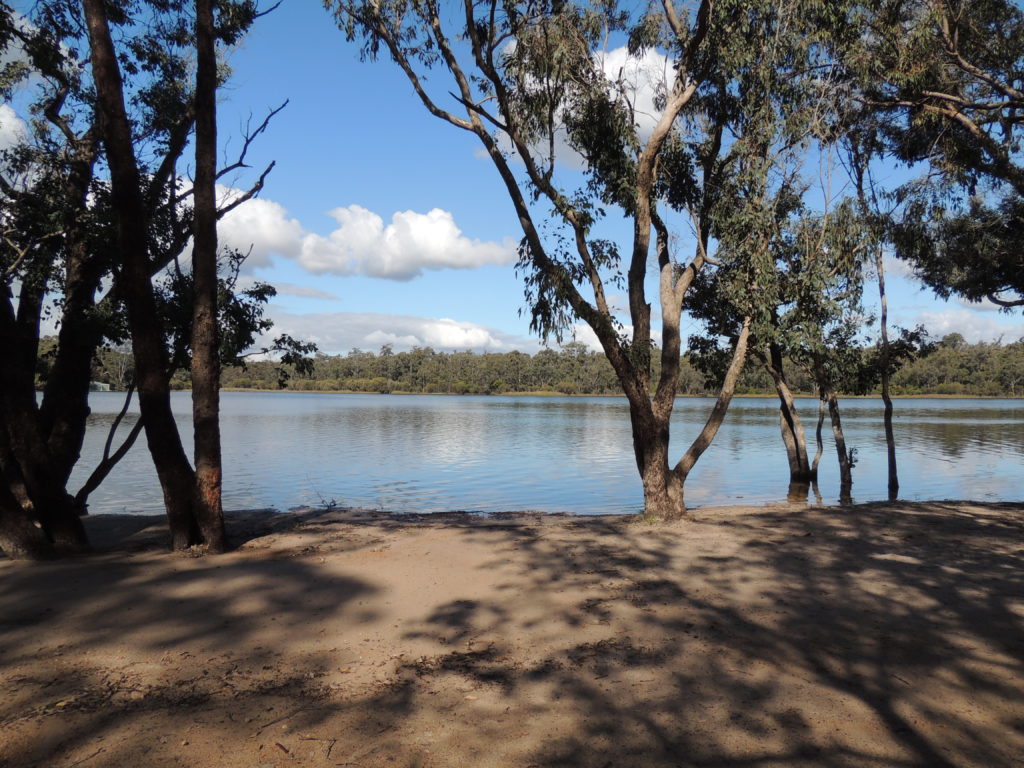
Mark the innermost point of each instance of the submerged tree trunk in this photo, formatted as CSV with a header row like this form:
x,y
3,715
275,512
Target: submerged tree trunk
x,y
205,343
817,435
177,480
790,426
890,437
845,457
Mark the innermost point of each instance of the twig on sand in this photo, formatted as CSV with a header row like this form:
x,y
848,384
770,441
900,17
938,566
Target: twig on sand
x,y
90,757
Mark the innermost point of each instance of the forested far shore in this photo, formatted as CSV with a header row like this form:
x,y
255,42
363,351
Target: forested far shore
x,y
949,367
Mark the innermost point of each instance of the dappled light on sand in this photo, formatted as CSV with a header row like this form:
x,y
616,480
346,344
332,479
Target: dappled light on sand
x,y
880,635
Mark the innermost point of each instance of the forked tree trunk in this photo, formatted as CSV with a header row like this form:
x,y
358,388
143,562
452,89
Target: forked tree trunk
x,y
177,480
664,486
205,342
790,426
33,496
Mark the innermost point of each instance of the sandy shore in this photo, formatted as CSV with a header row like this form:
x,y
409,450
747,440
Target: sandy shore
x,y
876,635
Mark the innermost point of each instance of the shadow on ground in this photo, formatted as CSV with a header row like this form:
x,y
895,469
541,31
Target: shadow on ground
x,y
879,635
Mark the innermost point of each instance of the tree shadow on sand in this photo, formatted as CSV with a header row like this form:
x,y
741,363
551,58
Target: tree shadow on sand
x,y
879,635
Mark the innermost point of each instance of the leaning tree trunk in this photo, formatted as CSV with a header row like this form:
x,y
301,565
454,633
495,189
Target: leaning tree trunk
x,y
205,342
177,480
845,457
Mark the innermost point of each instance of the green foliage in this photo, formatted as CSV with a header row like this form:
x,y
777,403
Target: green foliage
x,y
943,83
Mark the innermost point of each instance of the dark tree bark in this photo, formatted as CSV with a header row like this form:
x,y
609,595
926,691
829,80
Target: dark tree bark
x,y
37,517
177,480
205,346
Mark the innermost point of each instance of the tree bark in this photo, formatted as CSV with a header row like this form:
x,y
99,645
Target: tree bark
x,y
890,436
205,342
817,435
29,481
21,536
664,487
845,458
177,480
790,426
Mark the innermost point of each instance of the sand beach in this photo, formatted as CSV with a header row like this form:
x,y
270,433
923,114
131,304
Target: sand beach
x,y
887,634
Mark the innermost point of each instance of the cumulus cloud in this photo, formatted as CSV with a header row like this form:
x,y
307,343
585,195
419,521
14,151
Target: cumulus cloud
x,y
401,250
642,80
338,332
361,244
972,326
585,335
260,225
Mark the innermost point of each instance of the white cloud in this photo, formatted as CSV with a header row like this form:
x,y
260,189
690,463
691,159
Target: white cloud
x,y
304,291
585,335
290,289
641,80
972,326
342,331
979,306
12,127
361,244
262,225
412,242
897,267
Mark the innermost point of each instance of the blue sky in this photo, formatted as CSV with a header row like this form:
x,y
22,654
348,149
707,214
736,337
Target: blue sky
x,y
423,233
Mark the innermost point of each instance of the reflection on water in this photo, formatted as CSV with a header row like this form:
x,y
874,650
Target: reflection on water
x,y
421,453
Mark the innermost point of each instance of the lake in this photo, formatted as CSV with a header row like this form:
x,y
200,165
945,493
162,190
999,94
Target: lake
x,y
430,453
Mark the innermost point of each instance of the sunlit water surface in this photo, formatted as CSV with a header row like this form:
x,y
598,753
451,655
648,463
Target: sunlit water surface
x,y
423,453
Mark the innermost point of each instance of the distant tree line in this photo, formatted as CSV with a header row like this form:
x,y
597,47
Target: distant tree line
x,y
948,367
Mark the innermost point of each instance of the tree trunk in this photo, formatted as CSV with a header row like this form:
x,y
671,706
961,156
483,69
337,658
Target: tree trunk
x,y
790,426
177,480
21,536
845,456
890,437
65,405
29,480
817,436
205,343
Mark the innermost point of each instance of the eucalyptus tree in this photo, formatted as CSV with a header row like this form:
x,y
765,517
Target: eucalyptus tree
x,y
862,148
59,250
825,317
946,79
534,82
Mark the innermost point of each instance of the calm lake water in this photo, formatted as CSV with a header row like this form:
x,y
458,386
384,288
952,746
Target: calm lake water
x,y
423,453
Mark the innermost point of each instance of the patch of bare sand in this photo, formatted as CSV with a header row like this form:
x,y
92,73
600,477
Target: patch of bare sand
x,y
877,635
